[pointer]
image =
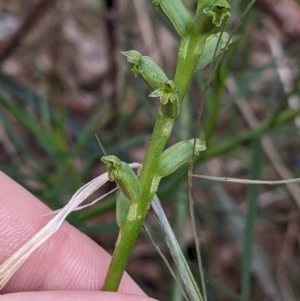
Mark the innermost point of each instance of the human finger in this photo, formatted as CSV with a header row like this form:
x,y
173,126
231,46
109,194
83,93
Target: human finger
x,y
69,260
73,296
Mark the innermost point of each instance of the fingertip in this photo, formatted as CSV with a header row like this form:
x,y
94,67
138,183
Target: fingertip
x,y
73,296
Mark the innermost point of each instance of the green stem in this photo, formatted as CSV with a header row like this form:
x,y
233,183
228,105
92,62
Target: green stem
x,y
125,243
190,49
137,212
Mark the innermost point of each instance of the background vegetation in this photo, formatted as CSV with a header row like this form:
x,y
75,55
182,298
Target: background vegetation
x,y
62,78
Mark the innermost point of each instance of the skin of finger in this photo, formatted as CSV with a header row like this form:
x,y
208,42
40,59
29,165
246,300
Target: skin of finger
x,y
69,260
73,296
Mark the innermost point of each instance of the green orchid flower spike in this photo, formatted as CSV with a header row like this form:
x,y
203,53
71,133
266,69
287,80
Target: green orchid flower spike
x,y
169,98
200,41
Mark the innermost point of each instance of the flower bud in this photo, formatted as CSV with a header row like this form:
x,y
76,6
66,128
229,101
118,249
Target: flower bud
x,y
178,154
169,98
177,14
146,67
125,178
210,15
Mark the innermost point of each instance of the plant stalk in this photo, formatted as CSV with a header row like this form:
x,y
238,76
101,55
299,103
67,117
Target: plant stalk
x,y
137,212
190,49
